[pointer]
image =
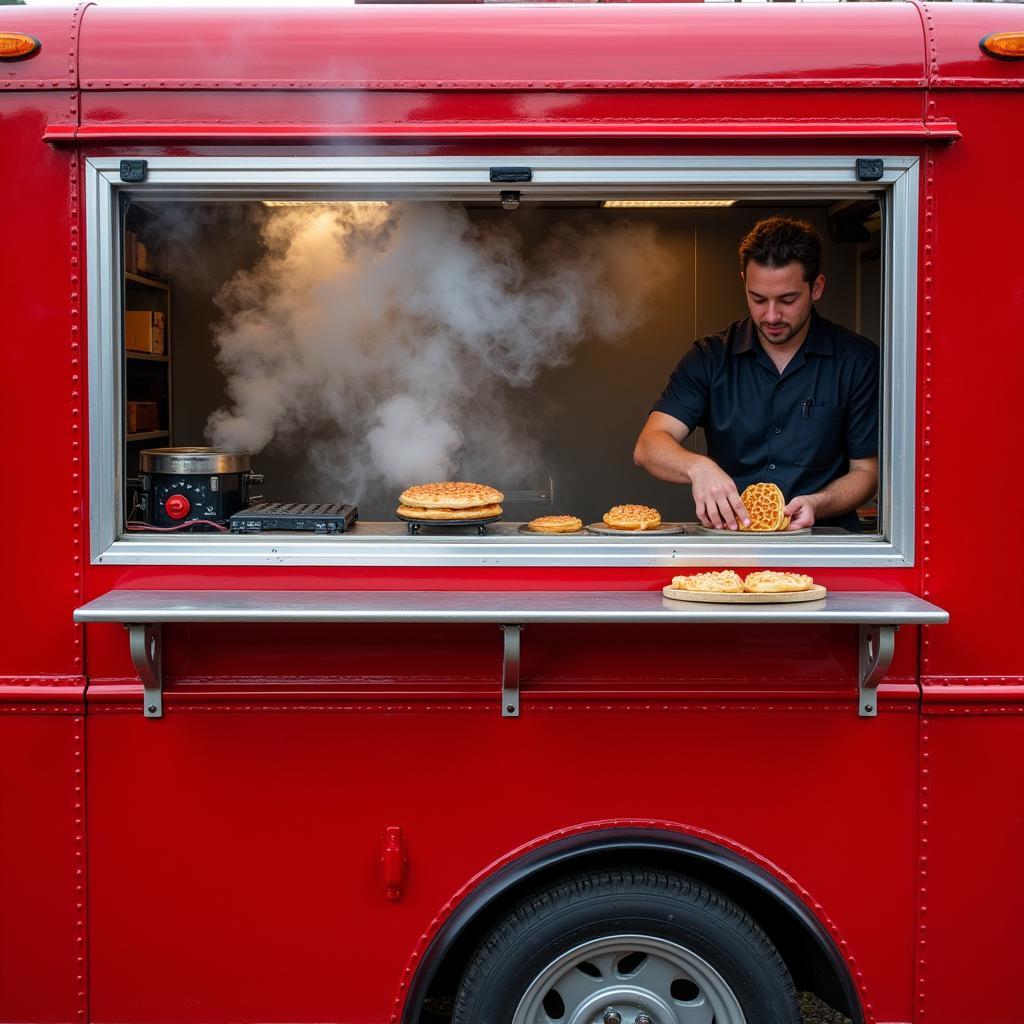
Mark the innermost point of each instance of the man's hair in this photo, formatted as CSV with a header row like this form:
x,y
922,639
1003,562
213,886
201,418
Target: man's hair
x,y
778,241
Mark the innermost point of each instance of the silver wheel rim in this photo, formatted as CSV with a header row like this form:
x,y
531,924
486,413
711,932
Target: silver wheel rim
x,y
618,978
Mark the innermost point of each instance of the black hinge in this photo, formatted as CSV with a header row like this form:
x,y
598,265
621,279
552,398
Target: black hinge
x,y
511,174
134,170
870,168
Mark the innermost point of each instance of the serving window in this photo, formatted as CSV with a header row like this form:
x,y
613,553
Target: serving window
x,y
358,328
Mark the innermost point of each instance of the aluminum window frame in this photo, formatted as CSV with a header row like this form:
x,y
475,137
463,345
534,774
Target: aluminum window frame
x,y
770,178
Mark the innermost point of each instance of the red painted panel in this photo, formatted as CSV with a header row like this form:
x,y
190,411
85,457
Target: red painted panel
x,y
972,368
42,922
154,116
53,65
958,29
239,850
493,43
250,843
41,412
974,831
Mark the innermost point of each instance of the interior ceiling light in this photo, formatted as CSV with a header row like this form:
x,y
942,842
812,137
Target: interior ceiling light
x,y
325,202
649,203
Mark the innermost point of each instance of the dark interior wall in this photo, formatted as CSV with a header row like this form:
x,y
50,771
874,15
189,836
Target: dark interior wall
x,y
586,415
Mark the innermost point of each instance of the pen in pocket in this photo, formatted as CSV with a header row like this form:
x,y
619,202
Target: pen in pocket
x,y
805,408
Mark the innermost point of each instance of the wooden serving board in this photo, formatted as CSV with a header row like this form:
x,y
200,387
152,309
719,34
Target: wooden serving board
x,y
816,593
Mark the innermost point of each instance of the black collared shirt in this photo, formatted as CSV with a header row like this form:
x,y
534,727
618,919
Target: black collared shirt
x,y
798,429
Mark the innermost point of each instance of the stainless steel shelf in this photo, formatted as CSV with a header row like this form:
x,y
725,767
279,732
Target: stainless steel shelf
x,y
852,607
878,614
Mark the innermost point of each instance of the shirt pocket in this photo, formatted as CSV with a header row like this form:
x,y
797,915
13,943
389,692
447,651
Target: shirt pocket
x,y
820,436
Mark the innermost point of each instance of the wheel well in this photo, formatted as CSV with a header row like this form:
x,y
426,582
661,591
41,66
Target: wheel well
x,y
813,965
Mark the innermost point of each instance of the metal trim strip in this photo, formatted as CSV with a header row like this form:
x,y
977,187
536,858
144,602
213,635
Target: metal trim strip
x,y
458,178
554,128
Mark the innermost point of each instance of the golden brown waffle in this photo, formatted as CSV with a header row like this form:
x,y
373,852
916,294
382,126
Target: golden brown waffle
x,y
632,517
727,582
441,514
555,524
764,504
451,494
768,582
786,522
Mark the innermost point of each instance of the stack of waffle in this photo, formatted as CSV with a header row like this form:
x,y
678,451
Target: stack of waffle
x,y
450,501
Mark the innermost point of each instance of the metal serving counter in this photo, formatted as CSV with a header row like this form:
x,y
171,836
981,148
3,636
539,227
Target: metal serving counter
x,y
390,543
878,614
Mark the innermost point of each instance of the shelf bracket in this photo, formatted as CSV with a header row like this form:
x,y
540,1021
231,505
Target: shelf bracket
x,y
510,672
877,644
146,642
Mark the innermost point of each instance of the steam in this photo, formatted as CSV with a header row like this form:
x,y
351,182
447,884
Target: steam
x,y
383,341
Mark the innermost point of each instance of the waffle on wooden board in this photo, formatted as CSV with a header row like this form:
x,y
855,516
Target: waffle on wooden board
x,y
762,586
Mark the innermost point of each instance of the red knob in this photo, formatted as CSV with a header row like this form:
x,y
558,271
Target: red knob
x,y
177,506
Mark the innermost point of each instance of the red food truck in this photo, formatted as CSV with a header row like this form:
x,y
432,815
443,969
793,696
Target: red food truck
x,y
280,756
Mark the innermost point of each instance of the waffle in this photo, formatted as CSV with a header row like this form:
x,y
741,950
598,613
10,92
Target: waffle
x,y
441,514
555,524
768,582
450,495
632,517
764,504
726,582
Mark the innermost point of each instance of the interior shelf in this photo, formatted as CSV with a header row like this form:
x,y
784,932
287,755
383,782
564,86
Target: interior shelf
x,y
150,282
147,435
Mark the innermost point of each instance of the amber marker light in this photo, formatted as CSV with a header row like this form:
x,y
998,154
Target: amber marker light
x,y
1004,45
18,46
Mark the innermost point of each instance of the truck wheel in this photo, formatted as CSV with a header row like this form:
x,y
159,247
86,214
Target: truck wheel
x,y
631,946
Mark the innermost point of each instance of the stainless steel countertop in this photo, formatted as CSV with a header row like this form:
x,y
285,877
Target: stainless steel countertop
x,y
504,528
146,606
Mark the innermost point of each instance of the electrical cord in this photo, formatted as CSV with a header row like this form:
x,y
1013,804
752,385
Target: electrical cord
x,y
140,528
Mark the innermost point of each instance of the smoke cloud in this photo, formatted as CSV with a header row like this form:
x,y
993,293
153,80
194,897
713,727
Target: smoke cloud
x,y
383,342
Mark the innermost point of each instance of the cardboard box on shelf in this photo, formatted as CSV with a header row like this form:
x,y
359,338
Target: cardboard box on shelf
x,y
144,331
159,334
143,417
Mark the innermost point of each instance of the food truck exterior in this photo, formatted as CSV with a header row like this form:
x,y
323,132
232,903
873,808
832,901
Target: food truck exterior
x,y
398,778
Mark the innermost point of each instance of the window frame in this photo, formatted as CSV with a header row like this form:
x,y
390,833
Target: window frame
x,y
769,178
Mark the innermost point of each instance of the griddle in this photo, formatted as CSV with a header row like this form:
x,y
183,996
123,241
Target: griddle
x,y
294,517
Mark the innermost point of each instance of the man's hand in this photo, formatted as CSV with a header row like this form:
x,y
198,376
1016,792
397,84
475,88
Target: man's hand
x,y
715,495
842,495
802,511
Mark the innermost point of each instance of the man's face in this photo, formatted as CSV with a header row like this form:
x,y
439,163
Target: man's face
x,y
780,300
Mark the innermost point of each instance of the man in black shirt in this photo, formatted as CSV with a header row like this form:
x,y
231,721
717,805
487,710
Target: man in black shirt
x,y
784,397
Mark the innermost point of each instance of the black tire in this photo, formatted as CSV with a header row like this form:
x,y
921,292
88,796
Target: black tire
x,y
555,926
